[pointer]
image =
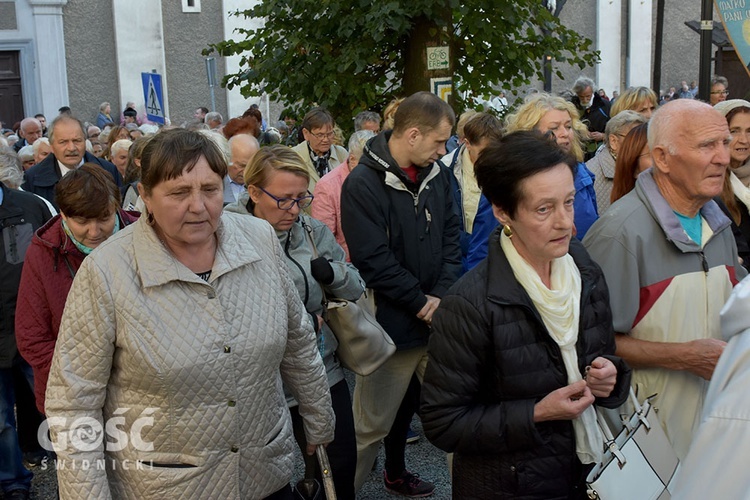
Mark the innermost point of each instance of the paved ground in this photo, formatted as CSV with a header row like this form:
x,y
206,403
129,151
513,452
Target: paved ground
x,y
421,458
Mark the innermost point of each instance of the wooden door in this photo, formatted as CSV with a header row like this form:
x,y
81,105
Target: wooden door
x,y
11,97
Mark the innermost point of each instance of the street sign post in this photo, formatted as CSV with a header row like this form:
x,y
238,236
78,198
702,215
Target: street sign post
x,y
153,96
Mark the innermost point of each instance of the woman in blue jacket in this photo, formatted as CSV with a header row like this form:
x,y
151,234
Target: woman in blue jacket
x,y
558,118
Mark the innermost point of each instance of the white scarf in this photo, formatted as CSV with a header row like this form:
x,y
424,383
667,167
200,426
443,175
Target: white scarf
x,y
741,191
560,311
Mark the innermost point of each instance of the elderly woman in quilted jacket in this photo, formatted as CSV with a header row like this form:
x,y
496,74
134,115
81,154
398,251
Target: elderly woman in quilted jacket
x,y
89,202
522,346
178,332
277,182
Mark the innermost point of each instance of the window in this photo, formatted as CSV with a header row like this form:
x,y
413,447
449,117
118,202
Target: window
x,y
191,5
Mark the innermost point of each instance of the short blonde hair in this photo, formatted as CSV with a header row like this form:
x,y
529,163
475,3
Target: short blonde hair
x,y
273,158
533,110
632,99
121,145
463,120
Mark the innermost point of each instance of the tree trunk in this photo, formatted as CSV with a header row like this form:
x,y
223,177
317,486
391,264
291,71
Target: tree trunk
x,y
427,34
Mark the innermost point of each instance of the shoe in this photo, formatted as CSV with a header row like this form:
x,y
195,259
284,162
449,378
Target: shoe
x,y
408,485
412,437
16,495
34,458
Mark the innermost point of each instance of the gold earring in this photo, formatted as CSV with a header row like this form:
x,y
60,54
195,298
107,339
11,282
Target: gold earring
x,y
508,231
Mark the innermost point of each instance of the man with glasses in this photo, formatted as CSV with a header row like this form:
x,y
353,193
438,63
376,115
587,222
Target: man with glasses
x,y
318,151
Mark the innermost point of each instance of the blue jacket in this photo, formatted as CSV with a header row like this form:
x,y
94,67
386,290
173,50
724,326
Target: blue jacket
x,y
584,206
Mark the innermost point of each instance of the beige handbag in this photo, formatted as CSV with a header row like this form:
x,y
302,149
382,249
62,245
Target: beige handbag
x,y
363,344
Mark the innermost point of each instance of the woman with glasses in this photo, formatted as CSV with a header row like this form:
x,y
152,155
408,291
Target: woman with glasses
x,y
277,191
318,151
719,90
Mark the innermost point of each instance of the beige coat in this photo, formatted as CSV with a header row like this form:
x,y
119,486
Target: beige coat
x,y
338,156
144,338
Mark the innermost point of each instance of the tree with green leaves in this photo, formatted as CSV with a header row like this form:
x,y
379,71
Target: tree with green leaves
x,y
354,55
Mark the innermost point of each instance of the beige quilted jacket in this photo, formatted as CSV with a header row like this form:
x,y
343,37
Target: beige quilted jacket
x,y
183,373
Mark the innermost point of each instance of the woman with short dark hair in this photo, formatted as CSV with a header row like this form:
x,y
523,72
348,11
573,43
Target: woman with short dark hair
x,y
180,330
90,213
522,345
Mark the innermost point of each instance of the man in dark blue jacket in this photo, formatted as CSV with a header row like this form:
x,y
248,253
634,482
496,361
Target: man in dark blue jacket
x,y
403,235
68,141
20,215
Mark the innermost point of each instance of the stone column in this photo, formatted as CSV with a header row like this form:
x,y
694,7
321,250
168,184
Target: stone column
x,y
640,43
609,44
50,53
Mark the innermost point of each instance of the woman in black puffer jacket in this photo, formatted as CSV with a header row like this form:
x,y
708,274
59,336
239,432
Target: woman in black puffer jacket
x,y
522,346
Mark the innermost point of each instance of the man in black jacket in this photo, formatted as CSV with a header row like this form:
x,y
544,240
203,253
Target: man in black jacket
x,y
68,141
20,215
403,235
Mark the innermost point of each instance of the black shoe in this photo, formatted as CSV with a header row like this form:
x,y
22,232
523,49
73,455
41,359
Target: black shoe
x,y
408,485
17,495
34,458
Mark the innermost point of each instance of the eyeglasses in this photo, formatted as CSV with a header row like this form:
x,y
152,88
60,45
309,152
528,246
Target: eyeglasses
x,y
720,92
323,135
288,203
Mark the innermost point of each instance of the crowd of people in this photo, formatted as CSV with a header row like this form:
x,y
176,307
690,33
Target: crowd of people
x,y
529,270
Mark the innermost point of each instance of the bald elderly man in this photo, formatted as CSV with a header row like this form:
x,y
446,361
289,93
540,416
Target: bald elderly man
x,y
244,147
670,259
29,132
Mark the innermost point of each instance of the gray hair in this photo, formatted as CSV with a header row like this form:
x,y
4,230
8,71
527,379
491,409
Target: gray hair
x,y
620,121
582,84
719,79
103,106
122,144
38,144
214,116
27,121
11,173
220,141
65,118
26,152
364,117
357,141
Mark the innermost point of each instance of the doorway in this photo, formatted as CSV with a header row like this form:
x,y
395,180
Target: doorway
x,y
11,96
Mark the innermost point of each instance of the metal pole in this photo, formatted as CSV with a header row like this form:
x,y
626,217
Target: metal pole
x,y
707,26
211,75
658,42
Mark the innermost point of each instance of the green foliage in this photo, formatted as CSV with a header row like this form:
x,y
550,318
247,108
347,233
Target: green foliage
x,y
348,55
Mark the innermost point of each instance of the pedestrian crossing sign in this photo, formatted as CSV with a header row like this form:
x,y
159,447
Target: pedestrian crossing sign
x,y
153,96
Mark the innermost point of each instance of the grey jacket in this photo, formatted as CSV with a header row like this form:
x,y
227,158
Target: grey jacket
x,y
190,371
347,284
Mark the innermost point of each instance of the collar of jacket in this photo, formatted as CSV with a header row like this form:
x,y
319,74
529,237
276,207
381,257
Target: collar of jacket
x,y
378,157
647,190
156,266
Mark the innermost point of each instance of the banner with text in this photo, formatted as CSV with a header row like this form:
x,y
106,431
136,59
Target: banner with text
x,y
735,16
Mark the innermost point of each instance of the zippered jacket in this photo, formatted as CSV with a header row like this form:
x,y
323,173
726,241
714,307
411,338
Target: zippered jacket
x,y
491,360
664,287
403,237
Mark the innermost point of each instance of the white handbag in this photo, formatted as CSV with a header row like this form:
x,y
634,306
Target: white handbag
x,y
638,463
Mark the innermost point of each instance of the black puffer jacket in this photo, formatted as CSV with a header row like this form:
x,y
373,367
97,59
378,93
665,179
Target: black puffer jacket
x,y
402,236
491,361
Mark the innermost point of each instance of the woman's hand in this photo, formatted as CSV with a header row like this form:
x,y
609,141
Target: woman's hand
x,y
601,377
311,448
566,403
